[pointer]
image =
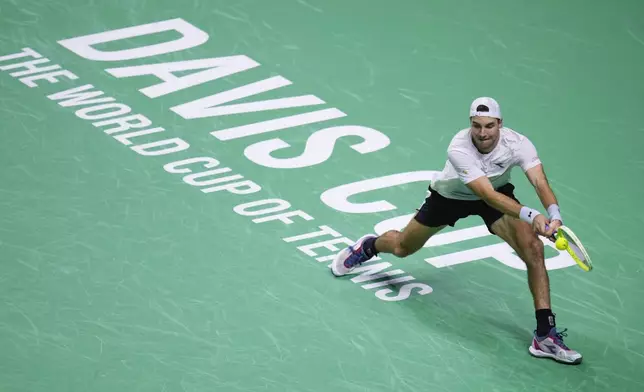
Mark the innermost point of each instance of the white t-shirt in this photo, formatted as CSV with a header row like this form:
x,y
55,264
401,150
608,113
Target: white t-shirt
x,y
465,163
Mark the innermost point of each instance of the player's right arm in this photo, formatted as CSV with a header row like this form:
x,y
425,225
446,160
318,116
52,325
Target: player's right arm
x,y
478,182
482,187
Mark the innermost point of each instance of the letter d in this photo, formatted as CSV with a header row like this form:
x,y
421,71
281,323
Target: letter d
x,y
150,149
190,37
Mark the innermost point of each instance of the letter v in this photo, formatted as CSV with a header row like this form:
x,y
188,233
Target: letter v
x,y
211,106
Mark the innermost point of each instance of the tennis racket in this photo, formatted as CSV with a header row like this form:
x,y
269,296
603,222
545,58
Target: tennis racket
x,y
565,239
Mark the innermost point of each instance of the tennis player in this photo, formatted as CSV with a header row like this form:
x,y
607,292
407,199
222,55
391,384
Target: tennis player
x,y
476,181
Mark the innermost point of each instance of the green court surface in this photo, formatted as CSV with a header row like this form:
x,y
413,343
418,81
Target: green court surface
x,y
124,269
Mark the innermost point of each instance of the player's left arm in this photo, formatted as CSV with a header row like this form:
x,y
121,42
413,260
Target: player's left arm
x,y
534,171
537,177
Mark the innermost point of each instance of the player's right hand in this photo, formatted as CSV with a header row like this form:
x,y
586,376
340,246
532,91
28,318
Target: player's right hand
x,y
554,225
539,225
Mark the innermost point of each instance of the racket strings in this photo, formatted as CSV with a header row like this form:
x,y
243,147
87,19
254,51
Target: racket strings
x,y
574,247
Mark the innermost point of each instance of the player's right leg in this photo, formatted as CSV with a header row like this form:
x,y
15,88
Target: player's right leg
x,y
435,213
400,243
406,242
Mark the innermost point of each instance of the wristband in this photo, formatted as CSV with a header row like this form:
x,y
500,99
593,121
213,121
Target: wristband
x,y
527,214
554,213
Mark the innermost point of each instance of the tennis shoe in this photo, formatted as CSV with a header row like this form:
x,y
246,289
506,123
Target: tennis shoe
x,y
552,346
350,257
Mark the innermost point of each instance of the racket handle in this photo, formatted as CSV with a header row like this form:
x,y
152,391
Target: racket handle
x,y
553,237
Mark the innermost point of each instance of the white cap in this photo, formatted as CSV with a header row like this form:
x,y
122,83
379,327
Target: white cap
x,y
494,110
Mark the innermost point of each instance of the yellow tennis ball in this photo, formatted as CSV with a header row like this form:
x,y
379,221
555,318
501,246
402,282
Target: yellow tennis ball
x,y
561,243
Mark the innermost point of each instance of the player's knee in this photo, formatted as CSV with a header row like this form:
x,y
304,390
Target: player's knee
x,y
535,249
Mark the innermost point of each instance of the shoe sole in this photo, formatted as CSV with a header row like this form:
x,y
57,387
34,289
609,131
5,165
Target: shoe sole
x,y
541,354
343,254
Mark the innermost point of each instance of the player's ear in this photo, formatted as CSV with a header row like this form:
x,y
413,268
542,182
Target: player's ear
x,y
500,122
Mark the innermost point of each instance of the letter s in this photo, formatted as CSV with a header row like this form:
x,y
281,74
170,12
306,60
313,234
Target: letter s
x,y
319,147
404,292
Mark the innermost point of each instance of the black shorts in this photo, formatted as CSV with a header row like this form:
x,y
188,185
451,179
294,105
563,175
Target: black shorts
x,y
438,210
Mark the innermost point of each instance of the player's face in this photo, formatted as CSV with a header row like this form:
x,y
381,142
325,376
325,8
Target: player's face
x,y
485,133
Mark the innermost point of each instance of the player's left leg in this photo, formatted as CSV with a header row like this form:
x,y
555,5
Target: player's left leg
x,y
520,236
547,341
